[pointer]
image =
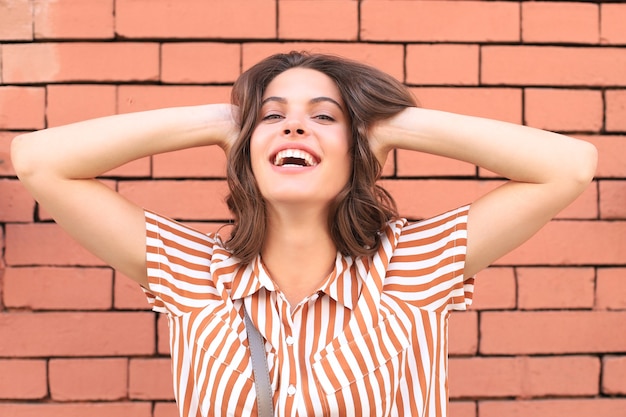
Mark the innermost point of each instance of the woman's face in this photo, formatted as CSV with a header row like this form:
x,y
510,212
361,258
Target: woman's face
x,y
300,149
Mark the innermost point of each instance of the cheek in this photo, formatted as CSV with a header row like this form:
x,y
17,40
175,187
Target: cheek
x,y
254,163
345,163
255,150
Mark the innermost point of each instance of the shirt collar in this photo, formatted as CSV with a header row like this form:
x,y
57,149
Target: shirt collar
x,y
251,279
343,284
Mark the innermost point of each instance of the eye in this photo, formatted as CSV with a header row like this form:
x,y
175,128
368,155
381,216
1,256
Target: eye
x,y
272,116
325,117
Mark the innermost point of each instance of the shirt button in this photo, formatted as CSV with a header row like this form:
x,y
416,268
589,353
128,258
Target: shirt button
x,y
290,340
291,390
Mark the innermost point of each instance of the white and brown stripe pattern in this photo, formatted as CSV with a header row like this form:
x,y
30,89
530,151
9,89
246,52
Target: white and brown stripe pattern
x,y
371,342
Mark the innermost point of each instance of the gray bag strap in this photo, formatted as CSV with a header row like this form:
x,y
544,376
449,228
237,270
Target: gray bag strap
x,y
259,368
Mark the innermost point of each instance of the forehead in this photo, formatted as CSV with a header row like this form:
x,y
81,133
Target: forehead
x,y
305,82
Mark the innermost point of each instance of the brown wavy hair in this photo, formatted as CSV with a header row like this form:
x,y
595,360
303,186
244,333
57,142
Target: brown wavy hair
x,y
361,210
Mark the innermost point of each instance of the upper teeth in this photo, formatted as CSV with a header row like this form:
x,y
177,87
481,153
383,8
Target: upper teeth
x,y
281,156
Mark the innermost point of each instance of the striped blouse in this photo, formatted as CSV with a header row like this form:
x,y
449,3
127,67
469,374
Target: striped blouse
x,y
372,341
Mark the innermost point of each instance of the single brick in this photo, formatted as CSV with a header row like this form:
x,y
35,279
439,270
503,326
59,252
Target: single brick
x,y
128,295
462,408
571,407
47,288
386,57
6,167
566,242
189,200
76,334
319,20
555,288
16,20
550,332
96,409
71,19
463,331
448,21
88,379
133,98
414,197
584,207
524,376
72,103
150,379
80,61
553,65
205,162
2,263
560,22
494,103
613,371
612,18
196,62
23,108
613,199
23,379
165,409
442,64
610,289
16,204
564,110
221,19
495,289
44,244
616,110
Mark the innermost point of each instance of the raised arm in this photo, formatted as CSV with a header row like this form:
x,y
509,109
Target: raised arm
x,y
59,165
547,171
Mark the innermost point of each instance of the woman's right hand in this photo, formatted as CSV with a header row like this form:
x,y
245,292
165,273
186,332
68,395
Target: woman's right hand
x,y
232,127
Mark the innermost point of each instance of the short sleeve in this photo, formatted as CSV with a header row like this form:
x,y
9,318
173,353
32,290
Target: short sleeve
x,y
426,268
178,261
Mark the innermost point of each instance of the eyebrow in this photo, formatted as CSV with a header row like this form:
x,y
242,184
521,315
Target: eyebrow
x,y
315,100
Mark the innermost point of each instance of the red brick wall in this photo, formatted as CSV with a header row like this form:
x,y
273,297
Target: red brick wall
x,y
547,336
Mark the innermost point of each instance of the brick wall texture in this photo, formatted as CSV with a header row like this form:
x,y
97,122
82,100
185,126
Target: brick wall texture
x,y
547,334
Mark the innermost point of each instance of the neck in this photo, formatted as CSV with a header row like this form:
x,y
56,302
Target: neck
x,y
298,251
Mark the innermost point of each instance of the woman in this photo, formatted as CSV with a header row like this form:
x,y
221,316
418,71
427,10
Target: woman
x,y
351,300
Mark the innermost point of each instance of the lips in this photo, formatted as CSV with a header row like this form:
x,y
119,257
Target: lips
x,y
294,158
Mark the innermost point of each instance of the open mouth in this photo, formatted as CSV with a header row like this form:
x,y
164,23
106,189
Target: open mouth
x,y
294,158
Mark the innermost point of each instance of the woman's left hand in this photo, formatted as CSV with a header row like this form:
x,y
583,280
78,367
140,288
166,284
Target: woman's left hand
x,y
385,133
377,140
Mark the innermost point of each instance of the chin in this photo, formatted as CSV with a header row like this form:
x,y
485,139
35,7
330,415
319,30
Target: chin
x,y
309,200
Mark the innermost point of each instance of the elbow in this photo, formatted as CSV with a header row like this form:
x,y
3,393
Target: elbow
x,y
21,156
28,157
586,162
578,168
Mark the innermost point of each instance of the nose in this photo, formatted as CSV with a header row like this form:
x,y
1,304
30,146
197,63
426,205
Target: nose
x,y
294,127
297,131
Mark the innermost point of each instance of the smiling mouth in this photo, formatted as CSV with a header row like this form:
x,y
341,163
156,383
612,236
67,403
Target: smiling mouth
x,y
294,158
